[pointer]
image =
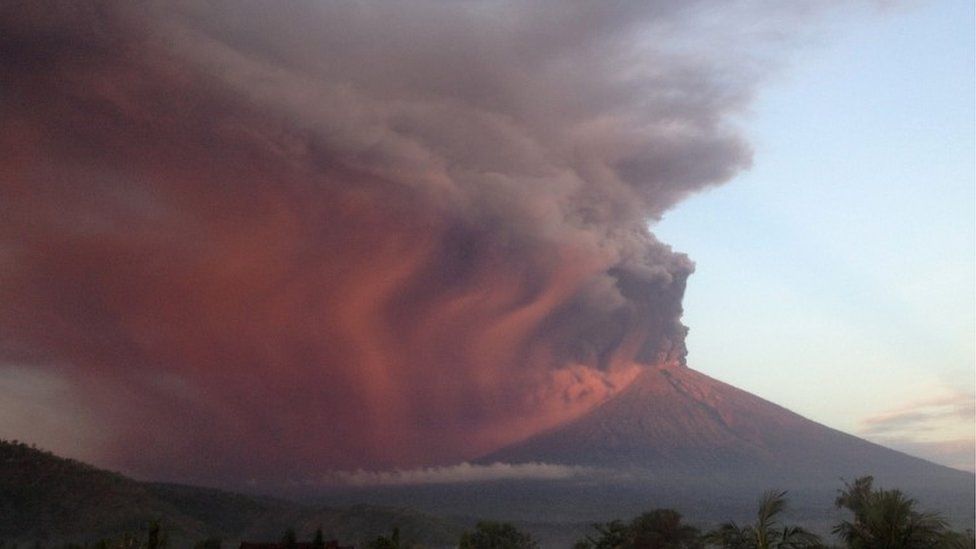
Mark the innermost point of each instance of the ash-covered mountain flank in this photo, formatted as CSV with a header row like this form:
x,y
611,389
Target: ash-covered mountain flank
x,y
675,422
677,438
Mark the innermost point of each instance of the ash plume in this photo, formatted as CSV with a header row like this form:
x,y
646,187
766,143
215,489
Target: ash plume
x,y
262,239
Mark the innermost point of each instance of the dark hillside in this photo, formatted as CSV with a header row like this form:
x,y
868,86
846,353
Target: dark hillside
x,y
48,498
55,500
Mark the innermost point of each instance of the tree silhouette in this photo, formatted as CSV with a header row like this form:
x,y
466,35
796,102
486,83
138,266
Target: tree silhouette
x,y
657,529
383,542
609,536
662,529
959,540
765,532
887,519
289,540
157,538
318,541
209,543
497,535
128,541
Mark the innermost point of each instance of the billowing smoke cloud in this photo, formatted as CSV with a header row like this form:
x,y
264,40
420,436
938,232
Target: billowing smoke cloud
x,y
262,239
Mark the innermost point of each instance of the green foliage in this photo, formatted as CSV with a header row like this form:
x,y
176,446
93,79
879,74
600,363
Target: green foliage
x,y
497,535
765,532
887,519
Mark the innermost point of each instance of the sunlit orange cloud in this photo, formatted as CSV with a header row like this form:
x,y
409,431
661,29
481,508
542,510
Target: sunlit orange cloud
x,y
255,257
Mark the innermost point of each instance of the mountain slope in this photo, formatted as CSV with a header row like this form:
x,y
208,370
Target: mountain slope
x,y
680,439
54,500
676,421
44,497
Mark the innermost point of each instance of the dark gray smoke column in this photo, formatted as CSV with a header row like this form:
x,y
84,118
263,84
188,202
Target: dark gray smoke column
x,y
275,238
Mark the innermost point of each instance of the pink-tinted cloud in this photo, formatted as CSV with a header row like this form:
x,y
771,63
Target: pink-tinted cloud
x,y
923,415
940,429
262,240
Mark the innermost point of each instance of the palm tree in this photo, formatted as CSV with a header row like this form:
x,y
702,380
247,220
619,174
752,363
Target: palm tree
x,y
887,519
959,540
766,532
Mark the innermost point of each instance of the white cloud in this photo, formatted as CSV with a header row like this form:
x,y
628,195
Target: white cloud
x,y
462,472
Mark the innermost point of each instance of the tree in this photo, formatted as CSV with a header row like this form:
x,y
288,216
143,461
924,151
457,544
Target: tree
x,y
318,541
289,540
209,543
609,536
497,535
383,542
887,519
959,540
657,529
128,541
157,538
766,532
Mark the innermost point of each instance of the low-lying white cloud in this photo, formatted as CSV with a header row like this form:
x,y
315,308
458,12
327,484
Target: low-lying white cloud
x,y
462,472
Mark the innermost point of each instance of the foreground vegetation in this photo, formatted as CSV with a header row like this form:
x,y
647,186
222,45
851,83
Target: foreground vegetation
x,y
878,519
882,519
46,501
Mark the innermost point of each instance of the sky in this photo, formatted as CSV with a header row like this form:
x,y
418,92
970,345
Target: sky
x,y
860,207
375,235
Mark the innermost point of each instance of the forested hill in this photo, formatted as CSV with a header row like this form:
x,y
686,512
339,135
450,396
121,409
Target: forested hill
x,y
54,500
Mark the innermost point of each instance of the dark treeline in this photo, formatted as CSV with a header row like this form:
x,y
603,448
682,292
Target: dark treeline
x,y
877,519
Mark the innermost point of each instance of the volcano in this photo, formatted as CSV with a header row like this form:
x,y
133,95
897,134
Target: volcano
x,y
677,438
673,423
